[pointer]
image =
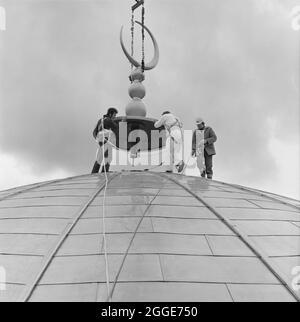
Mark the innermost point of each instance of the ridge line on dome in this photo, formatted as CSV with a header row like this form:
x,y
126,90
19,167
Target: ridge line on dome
x,y
159,281
273,194
260,193
252,245
151,254
30,287
33,186
128,248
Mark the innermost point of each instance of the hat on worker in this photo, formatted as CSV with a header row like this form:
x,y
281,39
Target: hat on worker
x,y
199,120
112,110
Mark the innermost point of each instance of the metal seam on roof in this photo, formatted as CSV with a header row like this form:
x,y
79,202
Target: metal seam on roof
x,y
170,233
153,281
35,186
128,248
40,218
209,245
37,234
228,290
149,253
253,203
31,286
19,254
273,194
50,197
244,237
257,220
294,223
155,211
128,216
259,193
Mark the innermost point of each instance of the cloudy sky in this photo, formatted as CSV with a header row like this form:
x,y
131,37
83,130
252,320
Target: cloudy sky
x,y
233,62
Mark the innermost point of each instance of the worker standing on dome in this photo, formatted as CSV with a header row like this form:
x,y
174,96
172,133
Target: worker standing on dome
x,y
174,141
104,130
203,148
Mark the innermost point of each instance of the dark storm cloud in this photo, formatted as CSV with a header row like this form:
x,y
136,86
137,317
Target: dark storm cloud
x,y
228,61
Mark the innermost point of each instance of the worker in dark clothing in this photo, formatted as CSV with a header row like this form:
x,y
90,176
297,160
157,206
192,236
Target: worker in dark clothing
x,y
203,148
102,133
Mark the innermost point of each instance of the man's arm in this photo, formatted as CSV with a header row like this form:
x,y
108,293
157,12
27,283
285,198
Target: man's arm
x,y
160,122
212,138
95,132
194,142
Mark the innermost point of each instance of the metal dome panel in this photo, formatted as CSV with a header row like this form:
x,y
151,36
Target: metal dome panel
x,y
168,238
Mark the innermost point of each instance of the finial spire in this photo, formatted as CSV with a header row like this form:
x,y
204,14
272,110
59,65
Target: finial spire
x,y
137,90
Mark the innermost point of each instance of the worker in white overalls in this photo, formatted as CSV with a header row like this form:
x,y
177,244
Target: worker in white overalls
x,y
103,133
174,142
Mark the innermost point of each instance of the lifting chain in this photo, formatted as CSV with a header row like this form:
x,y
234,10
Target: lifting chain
x,y
143,38
132,35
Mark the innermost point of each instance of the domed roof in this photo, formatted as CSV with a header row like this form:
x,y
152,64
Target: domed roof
x,y
163,237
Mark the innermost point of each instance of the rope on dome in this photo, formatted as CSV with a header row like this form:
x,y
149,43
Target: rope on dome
x,y
30,287
103,166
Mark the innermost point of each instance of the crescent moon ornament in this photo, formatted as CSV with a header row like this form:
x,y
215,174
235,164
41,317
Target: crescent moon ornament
x,y
135,63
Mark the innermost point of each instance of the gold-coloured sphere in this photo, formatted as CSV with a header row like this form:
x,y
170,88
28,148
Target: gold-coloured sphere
x,y
137,89
136,107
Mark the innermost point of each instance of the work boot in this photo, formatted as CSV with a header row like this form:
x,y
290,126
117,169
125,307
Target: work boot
x,y
96,167
209,176
107,165
169,169
203,174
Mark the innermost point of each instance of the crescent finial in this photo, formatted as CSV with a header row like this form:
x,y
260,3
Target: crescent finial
x,y
135,63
